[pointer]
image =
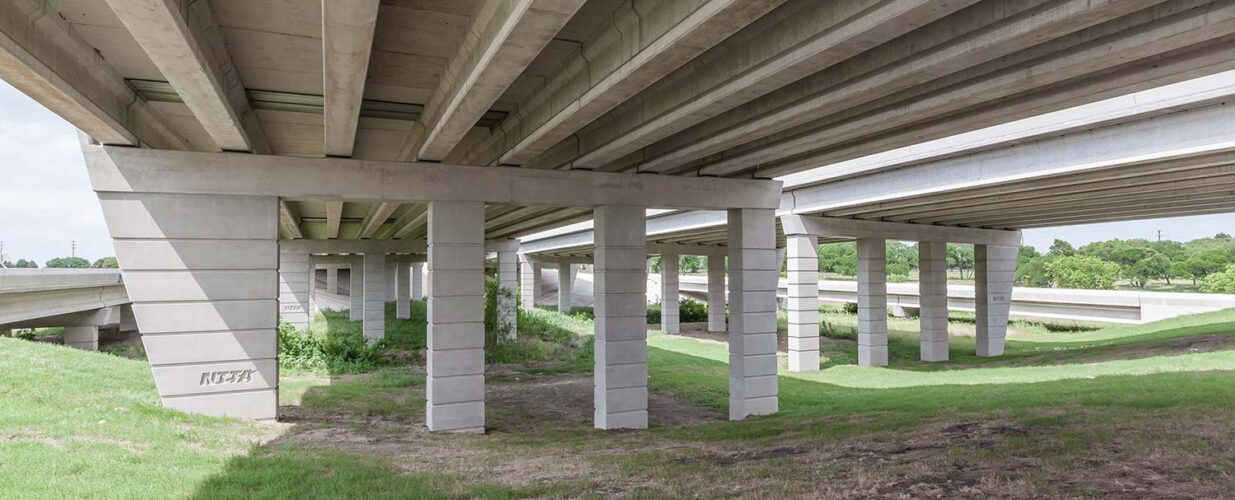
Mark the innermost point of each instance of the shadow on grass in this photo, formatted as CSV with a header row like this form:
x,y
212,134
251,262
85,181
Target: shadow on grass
x,y
809,410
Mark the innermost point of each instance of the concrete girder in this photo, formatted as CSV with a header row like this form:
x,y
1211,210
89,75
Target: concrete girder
x,y
377,216
1168,34
1196,136
505,36
555,217
1149,211
860,229
1115,183
43,57
1160,70
183,41
1126,216
1123,176
347,40
1195,189
128,170
289,221
411,222
677,249
782,47
513,216
334,216
354,246
631,52
987,32
1195,93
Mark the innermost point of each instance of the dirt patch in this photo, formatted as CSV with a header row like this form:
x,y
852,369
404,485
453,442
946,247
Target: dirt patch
x,y
527,403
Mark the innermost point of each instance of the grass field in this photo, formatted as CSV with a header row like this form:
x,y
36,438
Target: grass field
x,y
1143,411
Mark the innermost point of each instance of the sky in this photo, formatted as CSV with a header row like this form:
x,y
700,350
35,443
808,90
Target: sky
x,y
46,202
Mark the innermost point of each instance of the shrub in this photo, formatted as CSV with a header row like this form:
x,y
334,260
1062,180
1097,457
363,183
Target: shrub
x,y
692,311
336,352
851,307
1220,282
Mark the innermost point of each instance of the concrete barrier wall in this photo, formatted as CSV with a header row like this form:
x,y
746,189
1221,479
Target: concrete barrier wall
x,y
1130,307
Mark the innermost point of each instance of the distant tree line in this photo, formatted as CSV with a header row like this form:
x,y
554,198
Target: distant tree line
x,y
64,263
1208,263
1205,262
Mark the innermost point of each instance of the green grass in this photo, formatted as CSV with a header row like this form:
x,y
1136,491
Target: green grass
x,y
78,424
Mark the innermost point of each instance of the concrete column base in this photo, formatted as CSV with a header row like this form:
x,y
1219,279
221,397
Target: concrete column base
x,y
374,315
455,379
716,294
670,310
872,303
621,369
994,275
202,273
802,306
85,338
752,317
933,300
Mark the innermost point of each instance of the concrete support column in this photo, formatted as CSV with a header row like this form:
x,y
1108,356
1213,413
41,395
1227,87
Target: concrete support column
x,y
85,338
403,290
332,280
356,288
295,273
933,299
312,310
621,368
128,323
564,287
374,315
202,273
781,252
507,285
456,355
994,273
752,313
803,302
418,281
529,283
716,294
872,303
392,279
669,308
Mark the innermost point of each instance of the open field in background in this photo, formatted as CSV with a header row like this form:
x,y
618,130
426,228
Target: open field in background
x,y
1072,410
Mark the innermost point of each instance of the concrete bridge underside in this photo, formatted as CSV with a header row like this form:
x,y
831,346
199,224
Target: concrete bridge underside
x,y
233,144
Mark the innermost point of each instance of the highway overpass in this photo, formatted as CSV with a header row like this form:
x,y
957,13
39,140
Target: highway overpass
x,y
80,300
232,141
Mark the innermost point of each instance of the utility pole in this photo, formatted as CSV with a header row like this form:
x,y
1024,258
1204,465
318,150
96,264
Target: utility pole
x,y
1159,235
74,245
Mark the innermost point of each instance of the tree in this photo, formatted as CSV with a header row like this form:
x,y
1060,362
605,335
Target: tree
x,y
1222,236
1205,262
21,263
106,263
1153,265
1082,271
1220,282
1033,272
839,258
68,262
1061,248
691,264
960,257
